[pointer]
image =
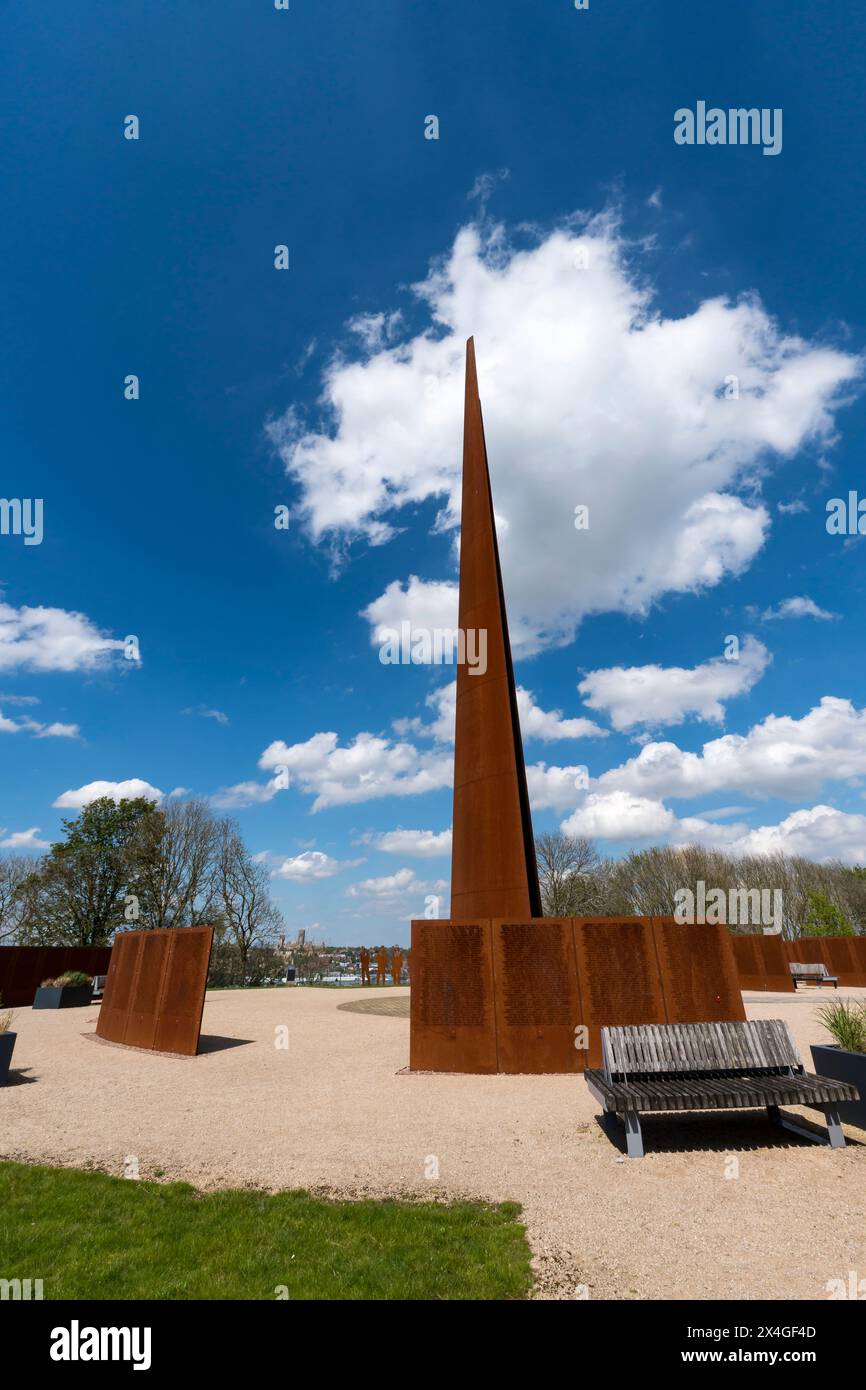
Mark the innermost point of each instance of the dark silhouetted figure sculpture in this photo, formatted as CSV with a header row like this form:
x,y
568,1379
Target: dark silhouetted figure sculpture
x,y
365,966
381,966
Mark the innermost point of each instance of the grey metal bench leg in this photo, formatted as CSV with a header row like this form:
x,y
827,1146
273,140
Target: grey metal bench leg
x,y
834,1127
835,1137
633,1136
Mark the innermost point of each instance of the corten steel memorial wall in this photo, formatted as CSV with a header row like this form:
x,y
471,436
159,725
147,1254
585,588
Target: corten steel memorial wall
x,y
844,956
23,968
499,987
154,994
762,961
494,995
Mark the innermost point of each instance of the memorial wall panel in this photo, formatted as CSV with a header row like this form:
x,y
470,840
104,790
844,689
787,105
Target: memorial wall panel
x,y
618,973
452,1018
537,999
844,956
750,962
775,956
507,995
698,971
858,950
762,962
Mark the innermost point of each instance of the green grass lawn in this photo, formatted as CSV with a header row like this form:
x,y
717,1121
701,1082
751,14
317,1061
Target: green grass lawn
x,y
90,1236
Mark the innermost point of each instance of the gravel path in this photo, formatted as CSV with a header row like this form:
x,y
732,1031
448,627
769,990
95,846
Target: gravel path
x,y
336,1112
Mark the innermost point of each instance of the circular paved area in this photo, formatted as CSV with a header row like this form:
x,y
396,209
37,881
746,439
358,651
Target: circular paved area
x,y
388,1008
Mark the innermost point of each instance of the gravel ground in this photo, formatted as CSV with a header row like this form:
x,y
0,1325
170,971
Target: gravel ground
x,y
335,1112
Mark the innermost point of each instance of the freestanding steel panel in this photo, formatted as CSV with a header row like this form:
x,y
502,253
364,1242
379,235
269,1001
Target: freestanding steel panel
x,y
154,995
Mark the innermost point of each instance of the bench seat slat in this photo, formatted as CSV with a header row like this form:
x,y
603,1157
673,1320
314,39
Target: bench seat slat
x,y
708,1093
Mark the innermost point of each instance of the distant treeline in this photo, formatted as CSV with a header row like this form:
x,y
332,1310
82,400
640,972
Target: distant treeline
x,y
577,881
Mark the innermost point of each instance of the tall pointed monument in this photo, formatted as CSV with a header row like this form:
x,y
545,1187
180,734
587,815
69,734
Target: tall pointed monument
x,y
493,869
497,987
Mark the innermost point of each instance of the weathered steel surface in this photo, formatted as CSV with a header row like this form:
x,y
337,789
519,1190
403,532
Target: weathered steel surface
x,y
23,968
750,964
452,1024
146,990
493,869
844,956
858,950
508,996
154,995
698,972
118,987
184,984
774,957
762,962
537,997
620,980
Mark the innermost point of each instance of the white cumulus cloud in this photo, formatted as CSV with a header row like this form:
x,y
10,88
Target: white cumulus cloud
x,y
416,844
780,756
312,864
620,816
801,607
52,639
592,397
24,839
364,770
79,797
654,695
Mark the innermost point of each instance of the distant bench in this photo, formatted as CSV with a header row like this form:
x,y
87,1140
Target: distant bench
x,y
710,1066
817,973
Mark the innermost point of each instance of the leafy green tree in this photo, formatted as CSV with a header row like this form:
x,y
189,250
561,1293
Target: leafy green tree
x,y
75,896
823,917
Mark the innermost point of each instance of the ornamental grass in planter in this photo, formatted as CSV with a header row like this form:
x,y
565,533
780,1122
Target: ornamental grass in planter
x,y
70,991
845,1058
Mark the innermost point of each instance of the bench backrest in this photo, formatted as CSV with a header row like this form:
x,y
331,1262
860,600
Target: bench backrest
x,y
818,970
756,1047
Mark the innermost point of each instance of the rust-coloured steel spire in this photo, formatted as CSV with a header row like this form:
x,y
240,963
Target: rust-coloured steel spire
x,y
493,870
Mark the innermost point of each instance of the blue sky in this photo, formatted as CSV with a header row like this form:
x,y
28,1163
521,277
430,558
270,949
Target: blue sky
x,y
613,280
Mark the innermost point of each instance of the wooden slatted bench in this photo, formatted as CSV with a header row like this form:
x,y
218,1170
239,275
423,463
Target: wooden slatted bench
x,y
711,1066
817,973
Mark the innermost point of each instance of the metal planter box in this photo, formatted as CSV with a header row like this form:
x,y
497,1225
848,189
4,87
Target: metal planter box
x,y
831,1060
66,997
7,1046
